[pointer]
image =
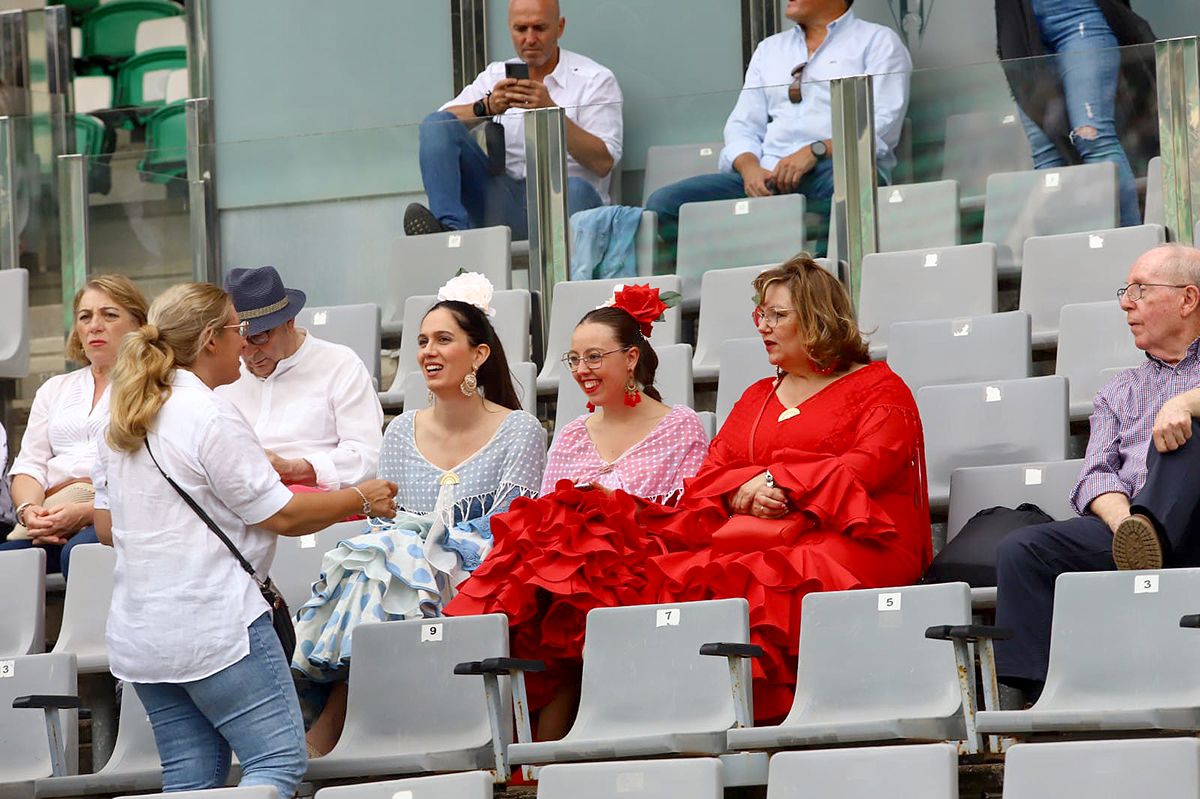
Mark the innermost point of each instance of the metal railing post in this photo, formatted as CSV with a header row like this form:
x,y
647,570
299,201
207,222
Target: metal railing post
x,y
73,231
546,202
206,262
1178,78
9,235
854,175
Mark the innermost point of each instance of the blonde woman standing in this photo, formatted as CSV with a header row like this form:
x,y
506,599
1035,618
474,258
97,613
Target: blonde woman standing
x,y
189,628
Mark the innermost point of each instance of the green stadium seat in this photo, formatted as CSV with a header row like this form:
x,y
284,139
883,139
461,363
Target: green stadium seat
x,y
110,31
166,144
142,80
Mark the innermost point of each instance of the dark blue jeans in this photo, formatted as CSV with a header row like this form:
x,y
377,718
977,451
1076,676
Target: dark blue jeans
x,y
1087,62
464,194
816,185
58,558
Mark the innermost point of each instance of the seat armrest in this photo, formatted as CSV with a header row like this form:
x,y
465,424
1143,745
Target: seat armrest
x,y
729,650
469,667
1192,620
968,632
46,702
510,665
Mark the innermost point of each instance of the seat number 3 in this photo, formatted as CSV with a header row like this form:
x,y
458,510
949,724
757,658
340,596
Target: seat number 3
x,y
7,668
1145,584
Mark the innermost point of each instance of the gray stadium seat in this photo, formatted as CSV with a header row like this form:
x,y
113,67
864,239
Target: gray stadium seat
x,y
720,234
929,771
24,749
950,282
693,777
966,350
1076,268
1155,212
985,424
354,326
524,376
23,575
666,164
1047,485
14,333
647,691
297,563
1119,661
726,302
912,216
574,298
511,323
981,143
134,765
428,721
85,607
867,673
743,363
673,380
1092,337
1043,202
468,785
422,264
1165,768
248,792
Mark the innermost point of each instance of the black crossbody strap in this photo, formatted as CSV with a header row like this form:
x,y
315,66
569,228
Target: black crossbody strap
x,y
211,524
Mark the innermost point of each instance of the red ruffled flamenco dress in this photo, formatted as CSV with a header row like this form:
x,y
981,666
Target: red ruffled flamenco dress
x,y
851,462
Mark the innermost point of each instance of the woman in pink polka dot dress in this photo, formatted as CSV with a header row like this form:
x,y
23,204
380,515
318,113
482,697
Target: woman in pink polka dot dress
x,y
579,545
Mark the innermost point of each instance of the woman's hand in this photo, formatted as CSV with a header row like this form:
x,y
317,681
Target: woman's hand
x,y
381,495
756,498
56,526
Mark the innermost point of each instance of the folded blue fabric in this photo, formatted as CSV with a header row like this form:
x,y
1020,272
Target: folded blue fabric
x,y
603,244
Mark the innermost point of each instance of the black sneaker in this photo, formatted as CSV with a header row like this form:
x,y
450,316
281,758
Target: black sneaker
x,y
419,220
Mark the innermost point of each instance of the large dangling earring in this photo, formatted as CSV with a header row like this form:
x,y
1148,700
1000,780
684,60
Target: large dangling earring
x,y
824,371
469,384
429,396
632,395
591,408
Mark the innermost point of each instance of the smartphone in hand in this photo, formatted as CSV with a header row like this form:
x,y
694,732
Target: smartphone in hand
x,y
516,70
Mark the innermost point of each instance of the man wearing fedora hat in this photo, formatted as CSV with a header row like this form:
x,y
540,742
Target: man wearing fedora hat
x,y
311,402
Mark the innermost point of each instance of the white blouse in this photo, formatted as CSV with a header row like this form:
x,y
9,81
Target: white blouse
x,y
60,441
181,603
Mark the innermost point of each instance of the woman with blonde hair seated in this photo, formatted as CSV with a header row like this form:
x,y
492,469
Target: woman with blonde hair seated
x,y
51,475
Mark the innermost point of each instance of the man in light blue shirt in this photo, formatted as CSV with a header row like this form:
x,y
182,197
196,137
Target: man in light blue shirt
x,y
778,138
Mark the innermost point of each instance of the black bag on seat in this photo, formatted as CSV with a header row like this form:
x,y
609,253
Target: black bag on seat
x,y
970,557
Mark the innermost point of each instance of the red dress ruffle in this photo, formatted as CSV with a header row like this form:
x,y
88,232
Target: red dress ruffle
x,y
852,464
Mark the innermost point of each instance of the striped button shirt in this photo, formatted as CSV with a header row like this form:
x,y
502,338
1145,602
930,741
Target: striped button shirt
x,y
1122,421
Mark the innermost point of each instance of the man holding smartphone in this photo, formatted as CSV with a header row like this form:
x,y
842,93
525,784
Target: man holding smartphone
x,y
466,189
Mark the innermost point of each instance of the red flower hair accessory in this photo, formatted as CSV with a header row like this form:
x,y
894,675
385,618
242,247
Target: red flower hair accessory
x,y
645,304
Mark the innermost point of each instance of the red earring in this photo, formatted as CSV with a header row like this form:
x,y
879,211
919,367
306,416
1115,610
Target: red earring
x,y
824,371
591,408
632,395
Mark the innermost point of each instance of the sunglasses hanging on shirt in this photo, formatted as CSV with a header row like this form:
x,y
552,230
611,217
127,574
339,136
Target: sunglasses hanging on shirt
x,y
794,88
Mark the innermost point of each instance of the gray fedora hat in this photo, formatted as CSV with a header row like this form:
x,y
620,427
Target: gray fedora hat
x,y
261,298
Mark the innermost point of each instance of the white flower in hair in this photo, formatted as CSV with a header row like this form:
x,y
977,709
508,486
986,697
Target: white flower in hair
x,y
611,301
471,288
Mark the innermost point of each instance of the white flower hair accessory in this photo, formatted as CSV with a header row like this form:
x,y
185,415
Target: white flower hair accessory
x,y
611,301
471,288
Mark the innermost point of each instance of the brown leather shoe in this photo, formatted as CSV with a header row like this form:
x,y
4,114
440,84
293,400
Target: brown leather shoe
x,y
1136,546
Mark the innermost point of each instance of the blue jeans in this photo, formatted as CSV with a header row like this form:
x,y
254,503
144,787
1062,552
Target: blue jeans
x,y
1087,62
250,707
816,185
57,557
464,194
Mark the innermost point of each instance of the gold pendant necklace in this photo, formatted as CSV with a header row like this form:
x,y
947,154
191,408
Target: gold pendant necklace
x,y
789,413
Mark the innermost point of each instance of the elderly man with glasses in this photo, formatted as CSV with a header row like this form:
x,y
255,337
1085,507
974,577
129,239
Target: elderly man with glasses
x,y
311,402
778,140
1138,495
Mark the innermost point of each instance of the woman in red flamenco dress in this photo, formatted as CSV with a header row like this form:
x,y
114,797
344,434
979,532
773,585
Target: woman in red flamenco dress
x,y
814,483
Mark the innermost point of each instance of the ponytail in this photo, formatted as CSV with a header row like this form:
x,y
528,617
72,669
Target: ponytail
x,y
181,321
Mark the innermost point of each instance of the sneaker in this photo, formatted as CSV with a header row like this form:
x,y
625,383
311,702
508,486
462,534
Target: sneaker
x,y
419,220
1136,545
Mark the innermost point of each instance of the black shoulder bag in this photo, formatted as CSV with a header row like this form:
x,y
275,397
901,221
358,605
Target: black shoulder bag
x,y
281,617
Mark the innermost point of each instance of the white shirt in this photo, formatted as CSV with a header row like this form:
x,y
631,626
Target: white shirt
x,y
320,405
769,125
181,603
60,441
586,90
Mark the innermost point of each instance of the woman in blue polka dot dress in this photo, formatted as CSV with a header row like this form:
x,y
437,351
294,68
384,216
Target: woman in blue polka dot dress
x,y
456,464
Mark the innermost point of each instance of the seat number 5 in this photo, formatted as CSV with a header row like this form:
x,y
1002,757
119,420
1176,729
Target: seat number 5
x,y
889,602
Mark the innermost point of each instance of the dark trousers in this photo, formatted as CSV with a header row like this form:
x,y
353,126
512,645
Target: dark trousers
x,y
1030,559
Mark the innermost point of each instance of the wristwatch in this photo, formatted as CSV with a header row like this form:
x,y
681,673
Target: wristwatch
x,y
480,109
819,149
